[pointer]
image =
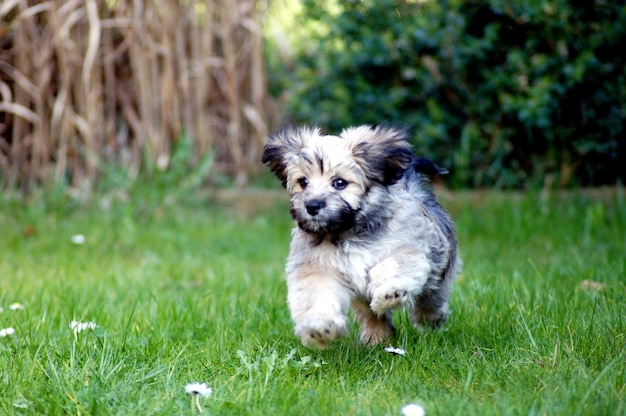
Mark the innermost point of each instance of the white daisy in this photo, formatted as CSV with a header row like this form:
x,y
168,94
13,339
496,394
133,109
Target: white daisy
x,y
78,326
413,410
78,239
6,331
200,389
16,306
396,351
197,390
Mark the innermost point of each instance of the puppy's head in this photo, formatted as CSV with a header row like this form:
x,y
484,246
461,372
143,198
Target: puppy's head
x,y
330,177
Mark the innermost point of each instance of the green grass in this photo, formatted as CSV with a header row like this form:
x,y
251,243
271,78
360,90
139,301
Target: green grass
x,y
186,290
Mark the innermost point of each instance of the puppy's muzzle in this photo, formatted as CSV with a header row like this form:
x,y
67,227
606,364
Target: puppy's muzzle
x,y
314,206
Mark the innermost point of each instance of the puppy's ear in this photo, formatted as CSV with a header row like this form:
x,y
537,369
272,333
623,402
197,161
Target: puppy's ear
x,y
283,147
384,153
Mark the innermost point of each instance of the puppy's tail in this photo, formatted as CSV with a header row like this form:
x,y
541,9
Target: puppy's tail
x,y
427,167
422,173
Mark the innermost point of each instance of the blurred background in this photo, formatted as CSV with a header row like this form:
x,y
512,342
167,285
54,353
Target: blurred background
x,y
99,94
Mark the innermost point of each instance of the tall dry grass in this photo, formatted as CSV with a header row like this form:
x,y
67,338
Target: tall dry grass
x,y
89,83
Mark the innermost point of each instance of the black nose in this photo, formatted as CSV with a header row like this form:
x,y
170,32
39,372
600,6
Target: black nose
x,y
314,206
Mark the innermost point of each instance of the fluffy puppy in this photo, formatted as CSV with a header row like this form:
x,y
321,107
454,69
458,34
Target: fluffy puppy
x,y
370,234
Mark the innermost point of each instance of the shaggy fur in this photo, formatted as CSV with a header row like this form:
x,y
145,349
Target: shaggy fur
x,y
370,234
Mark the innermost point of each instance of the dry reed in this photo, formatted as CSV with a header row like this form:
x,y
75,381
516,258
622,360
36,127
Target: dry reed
x,y
90,82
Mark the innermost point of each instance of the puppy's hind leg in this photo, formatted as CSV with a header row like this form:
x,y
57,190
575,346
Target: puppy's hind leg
x,y
374,329
431,309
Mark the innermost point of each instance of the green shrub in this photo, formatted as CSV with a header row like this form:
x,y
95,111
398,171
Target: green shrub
x,y
506,94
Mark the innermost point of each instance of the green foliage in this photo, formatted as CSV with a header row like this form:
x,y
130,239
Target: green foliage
x,y
194,292
177,178
505,94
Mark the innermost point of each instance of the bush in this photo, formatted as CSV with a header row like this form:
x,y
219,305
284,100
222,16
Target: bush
x,y
506,94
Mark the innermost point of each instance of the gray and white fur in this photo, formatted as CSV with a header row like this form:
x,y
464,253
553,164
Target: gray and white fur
x,y
370,234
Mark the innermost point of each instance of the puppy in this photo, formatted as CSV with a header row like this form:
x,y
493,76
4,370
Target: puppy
x,y
370,234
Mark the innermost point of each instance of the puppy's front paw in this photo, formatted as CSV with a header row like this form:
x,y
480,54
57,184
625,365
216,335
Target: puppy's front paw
x,y
320,331
387,297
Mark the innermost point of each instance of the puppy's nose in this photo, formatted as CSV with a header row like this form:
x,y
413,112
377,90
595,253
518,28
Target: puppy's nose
x,y
314,206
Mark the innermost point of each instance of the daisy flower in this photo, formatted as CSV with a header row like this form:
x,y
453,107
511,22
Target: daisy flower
x,y
16,306
78,326
395,351
591,285
197,390
413,410
78,239
6,331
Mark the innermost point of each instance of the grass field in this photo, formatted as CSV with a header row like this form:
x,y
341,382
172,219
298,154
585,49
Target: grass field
x,y
187,290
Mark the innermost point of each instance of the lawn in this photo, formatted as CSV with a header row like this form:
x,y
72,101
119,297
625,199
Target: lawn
x,y
190,289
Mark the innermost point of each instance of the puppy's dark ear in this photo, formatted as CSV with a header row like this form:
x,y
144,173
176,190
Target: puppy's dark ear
x,y
282,147
384,153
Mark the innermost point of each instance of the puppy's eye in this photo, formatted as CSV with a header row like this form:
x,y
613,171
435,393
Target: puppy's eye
x,y
303,182
340,184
